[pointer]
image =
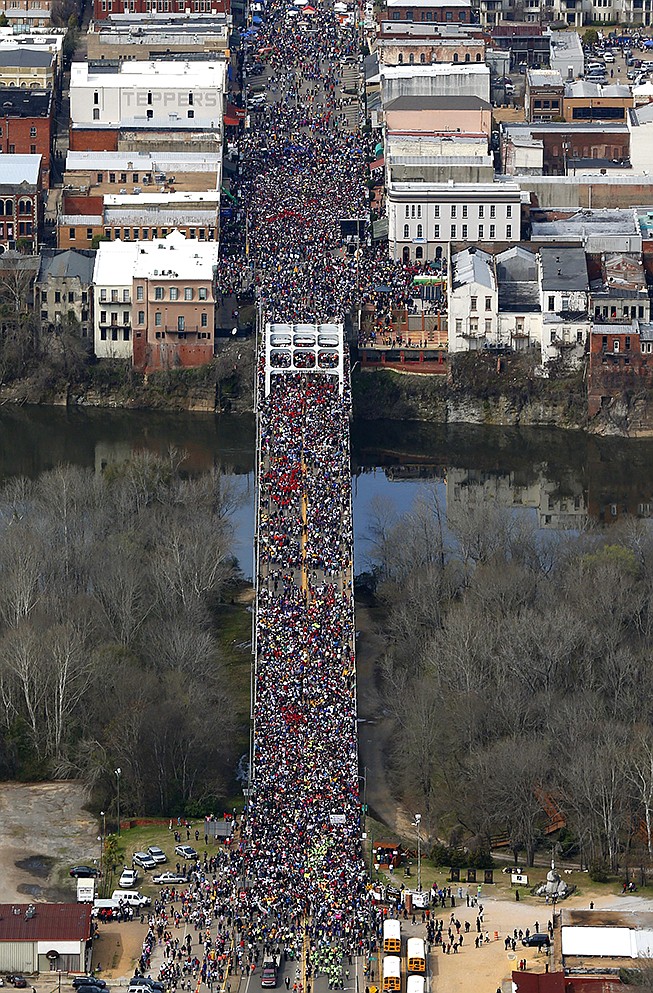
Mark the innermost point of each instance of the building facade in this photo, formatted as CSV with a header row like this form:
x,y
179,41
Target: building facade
x,y
20,201
106,8
63,290
26,125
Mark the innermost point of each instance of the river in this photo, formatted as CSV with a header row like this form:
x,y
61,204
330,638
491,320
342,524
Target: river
x,y
560,478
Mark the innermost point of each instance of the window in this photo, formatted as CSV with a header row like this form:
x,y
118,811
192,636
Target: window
x,y
488,327
103,317
191,113
125,317
123,177
509,210
174,293
627,345
57,296
32,132
114,317
406,231
508,230
419,252
551,305
140,294
103,295
204,320
493,231
89,234
481,211
407,211
141,317
158,293
436,231
459,325
453,210
71,234
150,115
481,232
190,99
188,290
181,324
202,293
157,319
134,177
125,334
436,210
472,303
103,334
464,232
615,345
453,230
464,210
32,149
112,177
419,210
412,210
420,231
114,296
493,210
96,114
488,303
149,99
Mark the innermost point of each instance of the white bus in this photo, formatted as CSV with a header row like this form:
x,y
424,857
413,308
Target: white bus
x,y
392,974
416,955
392,937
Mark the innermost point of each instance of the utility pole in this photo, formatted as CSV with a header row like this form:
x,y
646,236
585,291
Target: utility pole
x,y
118,775
418,821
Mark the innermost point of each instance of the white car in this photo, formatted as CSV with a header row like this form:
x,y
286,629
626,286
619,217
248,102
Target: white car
x,y
186,852
144,859
164,878
157,854
128,878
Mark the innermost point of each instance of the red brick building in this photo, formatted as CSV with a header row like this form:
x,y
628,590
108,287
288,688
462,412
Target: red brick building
x,y
26,125
107,8
621,359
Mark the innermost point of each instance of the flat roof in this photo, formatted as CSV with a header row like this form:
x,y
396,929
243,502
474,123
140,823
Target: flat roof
x,y
436,69
437,103
430,4
544,127
583,88
606,221
163,199
167,73
15,102
564,268
544,77
144,161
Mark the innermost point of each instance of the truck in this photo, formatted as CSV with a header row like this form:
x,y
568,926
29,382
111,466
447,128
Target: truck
x,y
270,972
86,890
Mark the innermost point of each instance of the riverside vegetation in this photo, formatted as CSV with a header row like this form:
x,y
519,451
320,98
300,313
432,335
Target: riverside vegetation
x,y
111,594
517,668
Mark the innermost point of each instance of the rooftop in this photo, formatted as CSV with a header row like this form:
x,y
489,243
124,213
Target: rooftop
x,y
155,162
168,73
430,4
607,221
67,264
564,268
544,77
162,200
16,102
436,103
25,58
436,69
17,169
581,88
118,262
45,921
546,127
473,266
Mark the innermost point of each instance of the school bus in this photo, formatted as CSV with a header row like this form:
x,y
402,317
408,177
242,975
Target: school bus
x,y
416,955
392,974
392,937
415,984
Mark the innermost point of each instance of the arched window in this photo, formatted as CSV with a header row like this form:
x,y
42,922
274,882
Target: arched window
x,y
406,254
401,58
406,231
9,208
407,211
478,56
2,208
24,207
411,59
420,231
419,252
422,59
468,57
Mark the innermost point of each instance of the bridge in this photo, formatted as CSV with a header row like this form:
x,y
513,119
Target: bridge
x,y
302,174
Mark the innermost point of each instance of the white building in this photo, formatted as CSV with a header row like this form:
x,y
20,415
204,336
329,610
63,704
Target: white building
x,y
157,94
112,299
424,218
567,54
439,79
565,303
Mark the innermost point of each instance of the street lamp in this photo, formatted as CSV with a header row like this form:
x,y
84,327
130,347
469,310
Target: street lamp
x,y
118,775
102,836
416,824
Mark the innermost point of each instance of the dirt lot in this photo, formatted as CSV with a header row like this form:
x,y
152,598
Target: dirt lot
x,y
45,831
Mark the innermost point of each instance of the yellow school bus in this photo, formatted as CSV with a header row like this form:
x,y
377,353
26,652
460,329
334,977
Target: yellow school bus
x,y
416,955
392,974
392,937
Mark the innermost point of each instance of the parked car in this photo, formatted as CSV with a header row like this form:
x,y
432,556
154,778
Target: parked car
x,y
86,980
537,940
164,878
186,851
157,854
144,859
153,984
128,878
18,981
83,871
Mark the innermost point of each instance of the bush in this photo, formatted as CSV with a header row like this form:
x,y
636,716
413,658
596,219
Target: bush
x,y
599,871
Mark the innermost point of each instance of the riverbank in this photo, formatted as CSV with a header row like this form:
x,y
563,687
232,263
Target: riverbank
x,y
479,389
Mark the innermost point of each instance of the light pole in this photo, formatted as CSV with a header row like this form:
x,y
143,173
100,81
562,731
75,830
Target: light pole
x,y
418,821
102,837
118,775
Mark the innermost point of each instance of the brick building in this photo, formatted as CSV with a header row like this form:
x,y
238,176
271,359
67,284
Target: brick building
x,y
26,125
20,200
584,101
105,8
544,91
555,149
442,11
621,358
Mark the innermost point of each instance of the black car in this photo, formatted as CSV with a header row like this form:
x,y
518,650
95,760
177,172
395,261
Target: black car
x,y
83,871
88,981
18,981
537,940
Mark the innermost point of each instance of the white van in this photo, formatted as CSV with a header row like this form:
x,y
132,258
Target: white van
x,y
132,897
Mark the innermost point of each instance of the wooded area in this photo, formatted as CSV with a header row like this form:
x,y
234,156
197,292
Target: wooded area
x,y
108,649
519,672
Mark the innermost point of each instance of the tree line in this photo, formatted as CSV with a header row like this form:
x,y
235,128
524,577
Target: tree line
x,y
518,668
109,644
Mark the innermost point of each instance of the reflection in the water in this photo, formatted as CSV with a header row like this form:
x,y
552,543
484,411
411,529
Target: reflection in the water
x,y
555,510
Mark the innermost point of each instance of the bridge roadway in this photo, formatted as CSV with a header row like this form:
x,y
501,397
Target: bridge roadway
x,y
301,171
